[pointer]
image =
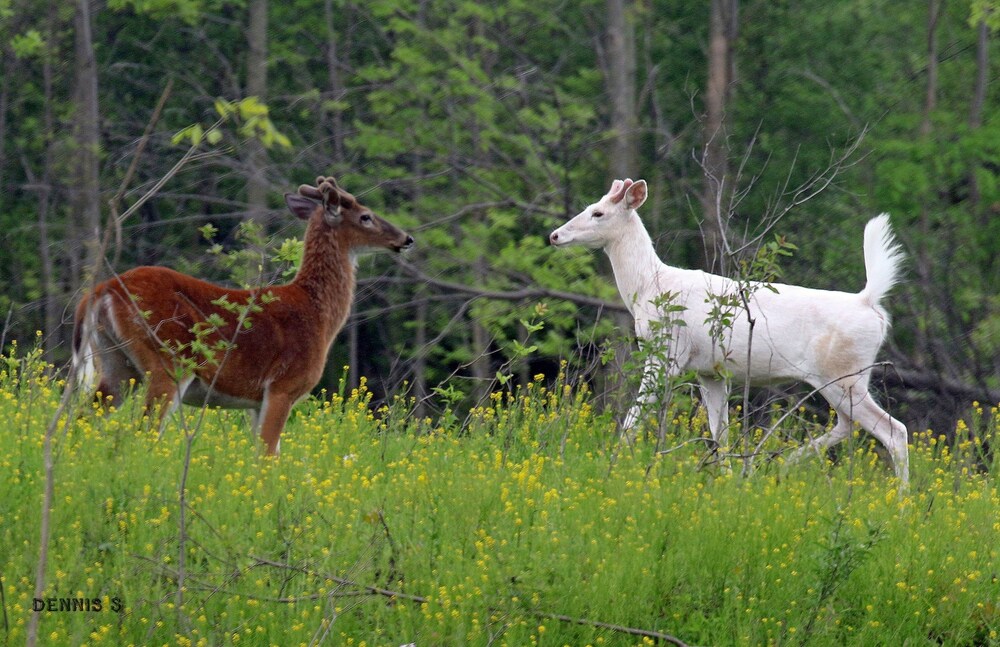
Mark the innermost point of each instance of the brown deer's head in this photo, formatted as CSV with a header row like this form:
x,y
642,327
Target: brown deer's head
x,y
355,223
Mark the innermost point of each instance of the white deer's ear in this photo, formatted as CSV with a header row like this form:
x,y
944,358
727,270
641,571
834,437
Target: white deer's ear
x,y
618,189
616,186
635,194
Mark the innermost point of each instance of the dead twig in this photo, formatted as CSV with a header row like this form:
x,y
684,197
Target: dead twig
x,y
376,590
115,201
632,631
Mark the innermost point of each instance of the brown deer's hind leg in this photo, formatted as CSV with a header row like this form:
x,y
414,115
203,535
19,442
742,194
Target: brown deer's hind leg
x,y
164,391
116,370
274,412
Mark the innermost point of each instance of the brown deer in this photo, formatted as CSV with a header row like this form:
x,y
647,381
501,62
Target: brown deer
x,y
204,344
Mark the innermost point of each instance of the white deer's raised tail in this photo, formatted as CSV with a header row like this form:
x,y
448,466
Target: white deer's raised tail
x,y
883,259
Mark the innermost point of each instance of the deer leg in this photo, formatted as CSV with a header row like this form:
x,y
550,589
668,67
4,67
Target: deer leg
x,y
840,432
647,393
886,429
889,431
840,397
274,412
715,398
163,395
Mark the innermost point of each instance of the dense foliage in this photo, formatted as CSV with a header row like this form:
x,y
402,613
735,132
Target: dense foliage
x,y
480,128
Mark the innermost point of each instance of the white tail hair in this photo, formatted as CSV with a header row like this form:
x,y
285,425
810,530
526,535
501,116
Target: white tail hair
x,y
828,339
883,259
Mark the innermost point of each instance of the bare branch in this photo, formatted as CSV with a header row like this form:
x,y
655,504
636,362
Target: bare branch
x,y
808,190
510,295
376,590
632,631
115,201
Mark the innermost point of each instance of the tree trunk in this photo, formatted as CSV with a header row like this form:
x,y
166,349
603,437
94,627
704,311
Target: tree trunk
x,y
86,132
335,80
6,69
353,356
51,296
921,261
621,69
982,75
256,86
934,8
978,101
481,367
715,192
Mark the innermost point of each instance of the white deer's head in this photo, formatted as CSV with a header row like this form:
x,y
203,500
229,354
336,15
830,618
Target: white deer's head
x,y
601,222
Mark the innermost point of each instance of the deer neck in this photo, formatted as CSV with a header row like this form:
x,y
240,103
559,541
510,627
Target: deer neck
x,y
635,263
327,274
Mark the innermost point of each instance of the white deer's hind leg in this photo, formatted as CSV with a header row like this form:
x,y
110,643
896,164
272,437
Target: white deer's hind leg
x,y
840,399
849,407
889,431
840,432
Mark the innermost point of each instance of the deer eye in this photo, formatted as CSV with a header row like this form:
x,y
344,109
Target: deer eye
x,y
597,214
365,218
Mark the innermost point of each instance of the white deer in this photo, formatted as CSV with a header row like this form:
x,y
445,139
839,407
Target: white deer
x,y
825,338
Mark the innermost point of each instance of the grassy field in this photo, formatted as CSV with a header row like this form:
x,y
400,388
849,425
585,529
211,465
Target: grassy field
x,y
527,525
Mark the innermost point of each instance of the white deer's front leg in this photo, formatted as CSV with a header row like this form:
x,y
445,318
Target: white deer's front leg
x,y
715,398
654,376
647,392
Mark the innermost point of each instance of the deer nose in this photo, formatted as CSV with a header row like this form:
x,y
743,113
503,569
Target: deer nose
x,y
554,237
406,244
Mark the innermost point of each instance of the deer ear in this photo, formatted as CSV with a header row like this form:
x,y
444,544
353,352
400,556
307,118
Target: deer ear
x,y
617,190
300,205
635,194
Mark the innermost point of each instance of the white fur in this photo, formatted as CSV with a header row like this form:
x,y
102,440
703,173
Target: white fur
x,y
84,368
827,339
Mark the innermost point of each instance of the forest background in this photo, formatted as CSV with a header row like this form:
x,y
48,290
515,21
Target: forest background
x,y
481,128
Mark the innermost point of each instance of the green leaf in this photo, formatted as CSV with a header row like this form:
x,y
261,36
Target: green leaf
x,y
208,231
28,44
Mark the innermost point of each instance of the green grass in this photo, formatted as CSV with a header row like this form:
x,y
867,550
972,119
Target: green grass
x,y
529,512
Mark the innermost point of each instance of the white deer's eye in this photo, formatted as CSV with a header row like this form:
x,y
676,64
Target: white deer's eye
x,y
597,214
